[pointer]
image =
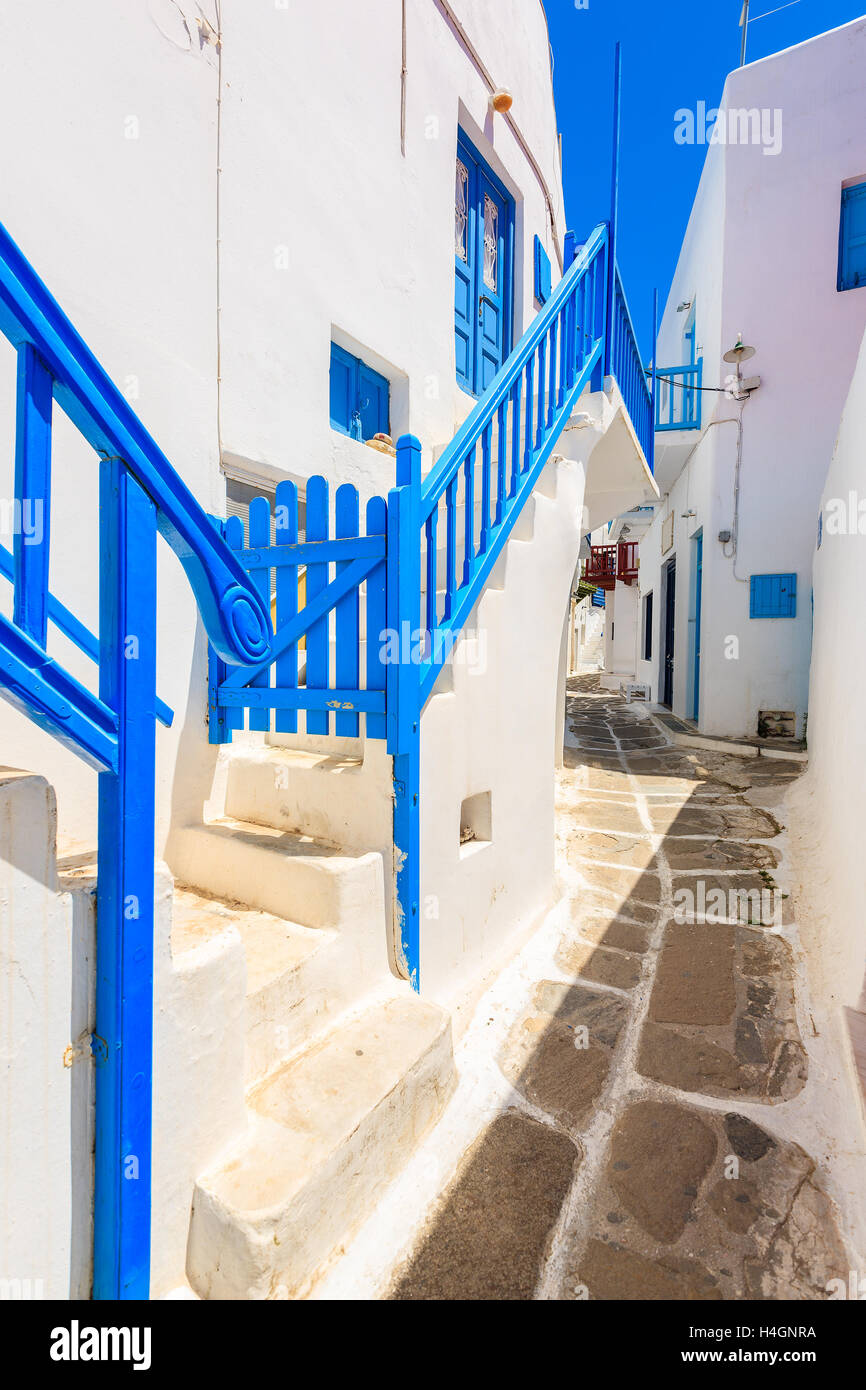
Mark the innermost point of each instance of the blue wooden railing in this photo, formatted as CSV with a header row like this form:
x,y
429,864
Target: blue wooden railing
x,y
446,533
426,557
678,397
625,365
114,730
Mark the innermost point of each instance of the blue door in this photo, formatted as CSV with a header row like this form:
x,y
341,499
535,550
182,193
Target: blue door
x,y
483,236
699,560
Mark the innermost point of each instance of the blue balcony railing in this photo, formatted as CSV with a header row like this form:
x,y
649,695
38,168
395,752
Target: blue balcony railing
x,y
678,397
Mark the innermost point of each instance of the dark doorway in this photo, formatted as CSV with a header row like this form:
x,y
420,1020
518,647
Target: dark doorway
x,y
670,609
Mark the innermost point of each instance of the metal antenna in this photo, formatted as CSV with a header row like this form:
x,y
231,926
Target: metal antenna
x,y
744,25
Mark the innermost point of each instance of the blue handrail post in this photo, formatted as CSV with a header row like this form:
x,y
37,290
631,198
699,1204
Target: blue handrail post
x,y
403,697
614,214
652,460
218,730
123,1044
32,494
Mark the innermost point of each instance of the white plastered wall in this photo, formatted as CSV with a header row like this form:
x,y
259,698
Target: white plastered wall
x,y
827,803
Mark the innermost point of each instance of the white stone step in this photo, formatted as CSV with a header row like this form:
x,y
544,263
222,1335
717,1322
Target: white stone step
x,y
290,875
337,800
298,979
326,1133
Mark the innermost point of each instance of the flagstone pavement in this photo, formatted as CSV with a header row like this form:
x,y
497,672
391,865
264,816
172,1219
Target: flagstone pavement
x,y
647,1073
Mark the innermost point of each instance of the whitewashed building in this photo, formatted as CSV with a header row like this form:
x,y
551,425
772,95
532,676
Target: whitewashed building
x,y
286,253
720,624
827,808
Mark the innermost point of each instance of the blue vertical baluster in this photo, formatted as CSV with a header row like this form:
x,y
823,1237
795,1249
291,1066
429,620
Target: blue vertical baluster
x,y
234,538
468,515
486,444
515,433
579,344
347,661
286,665
218,728
318,642
404,716
31,539
450,545
431,529
376,616
123,1044
260,539
542,403
530,403
551,371
563,321
502,447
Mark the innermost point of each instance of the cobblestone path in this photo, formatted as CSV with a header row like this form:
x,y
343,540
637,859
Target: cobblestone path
x,y
639,1158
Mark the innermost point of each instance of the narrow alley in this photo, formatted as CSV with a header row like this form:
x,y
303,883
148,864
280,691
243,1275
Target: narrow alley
x,y
636,1150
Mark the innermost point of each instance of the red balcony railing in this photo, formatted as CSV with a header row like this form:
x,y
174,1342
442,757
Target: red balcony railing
x,y
627,562
601,566
608,563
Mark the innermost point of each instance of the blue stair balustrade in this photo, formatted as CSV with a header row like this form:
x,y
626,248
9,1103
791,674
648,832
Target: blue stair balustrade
x,y
140,494
426,558
678,397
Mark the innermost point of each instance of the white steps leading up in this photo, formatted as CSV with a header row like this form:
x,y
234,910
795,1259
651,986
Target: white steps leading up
x,y
299,980
344,1067
326,1132
336,800
294,1074
289,874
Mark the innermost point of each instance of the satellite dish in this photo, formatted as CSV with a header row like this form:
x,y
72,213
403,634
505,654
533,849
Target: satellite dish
x,y
740,352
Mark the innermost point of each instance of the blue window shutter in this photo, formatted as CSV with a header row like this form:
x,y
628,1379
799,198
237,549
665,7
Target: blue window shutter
x,y
360,397
373,402
344,389
773,596
542,273
852,238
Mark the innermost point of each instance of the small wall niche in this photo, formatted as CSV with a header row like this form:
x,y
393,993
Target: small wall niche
x,y
777,723
476,822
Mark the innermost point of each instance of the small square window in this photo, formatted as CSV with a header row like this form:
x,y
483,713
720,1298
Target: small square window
x,y
773,596
360,397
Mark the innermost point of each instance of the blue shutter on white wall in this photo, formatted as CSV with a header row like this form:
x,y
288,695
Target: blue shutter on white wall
x,y
542,273
342,389
852,238
360,397
372,402
773,596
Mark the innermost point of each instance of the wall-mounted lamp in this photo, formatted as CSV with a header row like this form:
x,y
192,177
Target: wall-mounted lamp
x,y
501,100
686,304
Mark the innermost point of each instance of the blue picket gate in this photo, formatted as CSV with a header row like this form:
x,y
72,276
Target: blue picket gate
x,y
341,623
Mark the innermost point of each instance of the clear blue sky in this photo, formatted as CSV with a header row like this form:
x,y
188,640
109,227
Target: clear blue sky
x,y
674,54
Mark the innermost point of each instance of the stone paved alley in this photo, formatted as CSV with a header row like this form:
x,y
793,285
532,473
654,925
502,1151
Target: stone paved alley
x,y
637,1151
